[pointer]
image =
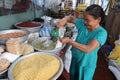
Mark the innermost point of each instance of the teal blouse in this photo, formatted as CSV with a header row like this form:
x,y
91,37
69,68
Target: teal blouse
x,y
84,37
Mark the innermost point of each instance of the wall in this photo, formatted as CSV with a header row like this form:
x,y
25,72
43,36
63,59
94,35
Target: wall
x,y
113,25
7,22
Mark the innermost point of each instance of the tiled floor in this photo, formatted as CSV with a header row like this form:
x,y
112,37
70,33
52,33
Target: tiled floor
x,y
102,72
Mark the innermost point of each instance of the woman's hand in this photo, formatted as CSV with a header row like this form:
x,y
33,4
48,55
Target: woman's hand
x,y
66,19
65,40
62,22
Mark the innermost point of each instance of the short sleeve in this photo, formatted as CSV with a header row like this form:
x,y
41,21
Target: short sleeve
x,y
79,23
101,36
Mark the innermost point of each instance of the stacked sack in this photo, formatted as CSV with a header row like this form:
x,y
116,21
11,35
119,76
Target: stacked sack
x,y
114,60
115,54
14,46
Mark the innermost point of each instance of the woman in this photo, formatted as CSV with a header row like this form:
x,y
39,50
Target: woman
x,y
91,36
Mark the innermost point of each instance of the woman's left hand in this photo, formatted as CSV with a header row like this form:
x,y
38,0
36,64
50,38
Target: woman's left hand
x,y
65,40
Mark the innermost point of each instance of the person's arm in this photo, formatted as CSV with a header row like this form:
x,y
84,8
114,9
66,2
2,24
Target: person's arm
x,y
70,19
66,19
85,48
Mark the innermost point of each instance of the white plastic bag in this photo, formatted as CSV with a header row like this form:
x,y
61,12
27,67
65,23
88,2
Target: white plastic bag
x,y
38,2
52,3
46,30
61,32
67,60
68,54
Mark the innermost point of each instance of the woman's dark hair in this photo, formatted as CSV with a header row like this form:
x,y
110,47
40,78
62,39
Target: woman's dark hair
x,y
96,11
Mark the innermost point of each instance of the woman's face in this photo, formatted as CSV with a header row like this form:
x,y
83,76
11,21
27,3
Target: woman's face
x,y
90,21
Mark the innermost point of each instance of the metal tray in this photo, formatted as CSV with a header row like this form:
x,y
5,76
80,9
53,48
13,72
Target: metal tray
x,y
54,51
30,29
21,39
10,77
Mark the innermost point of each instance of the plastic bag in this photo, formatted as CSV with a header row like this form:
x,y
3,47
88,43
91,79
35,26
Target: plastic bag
x,y
38,2
67,60
68,54
61,32
13,46
46,29
52,3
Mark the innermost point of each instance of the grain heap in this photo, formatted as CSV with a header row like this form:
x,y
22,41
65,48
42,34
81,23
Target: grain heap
x,y
36,67
4,64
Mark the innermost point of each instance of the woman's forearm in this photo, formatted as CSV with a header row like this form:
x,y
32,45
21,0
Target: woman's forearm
x,y
79,46
69,19
85,48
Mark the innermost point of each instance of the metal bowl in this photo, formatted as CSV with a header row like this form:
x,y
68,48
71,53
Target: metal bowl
x,y
2,73
30,29
21,39
38,40
10,76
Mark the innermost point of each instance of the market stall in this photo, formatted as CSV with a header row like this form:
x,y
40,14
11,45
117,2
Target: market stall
x,y
32,37
40,35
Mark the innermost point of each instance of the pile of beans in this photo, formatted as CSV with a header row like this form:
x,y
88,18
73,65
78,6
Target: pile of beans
x,y
28,24
13,35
